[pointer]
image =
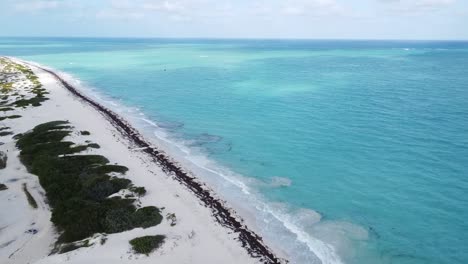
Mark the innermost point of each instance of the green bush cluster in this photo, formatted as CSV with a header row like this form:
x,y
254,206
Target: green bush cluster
x,y
147,244
140,191
78,186
9,117
34,101
5,133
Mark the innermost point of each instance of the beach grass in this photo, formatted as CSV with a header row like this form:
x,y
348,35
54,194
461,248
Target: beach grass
x,y
7,87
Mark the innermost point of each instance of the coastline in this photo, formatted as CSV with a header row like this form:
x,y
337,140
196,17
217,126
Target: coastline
x,y
253,244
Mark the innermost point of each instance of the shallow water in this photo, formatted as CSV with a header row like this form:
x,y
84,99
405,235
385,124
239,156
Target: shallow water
x,y
338,151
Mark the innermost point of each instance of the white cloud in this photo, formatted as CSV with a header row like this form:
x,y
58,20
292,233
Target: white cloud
x,y
167,6
137,9
299,8
417,6
115,14
37,5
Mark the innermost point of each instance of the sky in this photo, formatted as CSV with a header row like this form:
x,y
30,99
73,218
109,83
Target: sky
x,y
309,19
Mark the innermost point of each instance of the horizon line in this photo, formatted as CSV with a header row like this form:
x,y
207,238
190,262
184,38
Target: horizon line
x,y
239,38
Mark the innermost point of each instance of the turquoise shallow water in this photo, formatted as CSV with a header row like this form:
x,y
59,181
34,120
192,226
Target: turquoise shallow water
x,y
337,151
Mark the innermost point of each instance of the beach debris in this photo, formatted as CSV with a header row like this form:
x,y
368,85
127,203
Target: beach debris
x,y
171,217
32,231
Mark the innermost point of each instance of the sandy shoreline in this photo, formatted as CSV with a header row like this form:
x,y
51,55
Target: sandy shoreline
x,y
221,235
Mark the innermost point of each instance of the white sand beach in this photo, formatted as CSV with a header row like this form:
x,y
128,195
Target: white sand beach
x,y
27,235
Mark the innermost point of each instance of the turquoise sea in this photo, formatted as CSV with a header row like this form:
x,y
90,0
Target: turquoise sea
x,y
334,151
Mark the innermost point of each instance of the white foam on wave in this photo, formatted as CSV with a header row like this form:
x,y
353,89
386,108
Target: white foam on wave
x,y
293,225
325,252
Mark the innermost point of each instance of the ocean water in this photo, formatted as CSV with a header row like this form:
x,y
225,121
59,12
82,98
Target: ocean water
x,y
334,151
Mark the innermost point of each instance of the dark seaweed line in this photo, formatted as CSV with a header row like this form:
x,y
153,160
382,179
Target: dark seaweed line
x,y
250,241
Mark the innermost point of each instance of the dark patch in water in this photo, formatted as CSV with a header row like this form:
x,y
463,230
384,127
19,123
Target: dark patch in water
x,y
254,161
171,126
208,138
373,232
213,144
214,149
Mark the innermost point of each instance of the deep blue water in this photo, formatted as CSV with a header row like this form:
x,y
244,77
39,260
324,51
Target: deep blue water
x,y
337,151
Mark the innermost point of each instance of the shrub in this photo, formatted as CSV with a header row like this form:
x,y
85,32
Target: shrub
x,y
68,247
118,220
9,117
147,244
5,133
147,216
30,198
3,187
94,145
35,101
140,191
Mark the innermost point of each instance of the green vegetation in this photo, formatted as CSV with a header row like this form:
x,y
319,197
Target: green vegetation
x,y
35,101
140,191
9,117
11,68
85,133
94,145
72,246
3,187
69,247
6,87
31,200
5,133
5,109
78,186
147,244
